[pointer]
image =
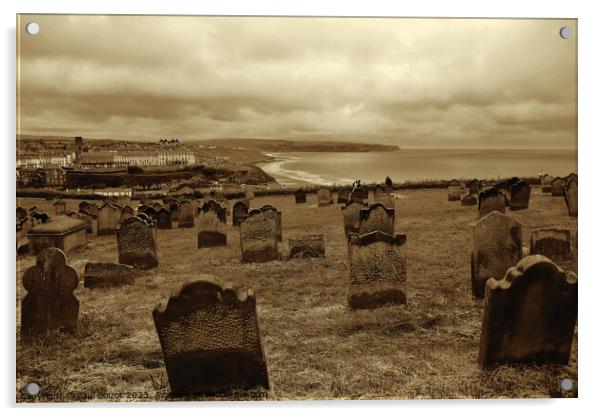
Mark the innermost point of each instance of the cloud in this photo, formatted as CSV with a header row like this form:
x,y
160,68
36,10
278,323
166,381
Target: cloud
x,y
414,82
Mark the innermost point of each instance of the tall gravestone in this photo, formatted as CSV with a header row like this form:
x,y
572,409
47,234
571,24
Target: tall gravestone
x,y
377,271
351,215
271,212
108,219
529,315
49,303
137,244
300,196
239,211
497,246
490,200
212,232
570,197
258,237
377,218
388,185
211,340
554,243
557,185
186,215
324,197
520,194
306,246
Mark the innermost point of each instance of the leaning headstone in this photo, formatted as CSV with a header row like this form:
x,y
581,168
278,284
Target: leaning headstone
x,y
557,185
126,212
529,315
454,190
239,211
164,219
212,232
136,244
49,304
258,237
377,270
324,197
351,215
300,196
497,246
554,243
306,246
469,200
377,218
520,193
271,212
490,200
211,340
570,197
186,215
108,219
61,232
215,207
343,195
102,275
60,206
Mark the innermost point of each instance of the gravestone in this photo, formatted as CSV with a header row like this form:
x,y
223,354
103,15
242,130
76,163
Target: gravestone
x,y
473,187
351,215
186,215
377,218
91,220
504,188
306,246
454,190
520,193
388,185
239,211
49,303
61,232
108,219
271,212
164,219
324,197
497,246
529,316
212,232
554,243
546,183
570,197
215,207
258,237
60,206
126,212
557,185
469,200
378,189
173,209
136,244
210,339
490,200
343,195
570,177
377,270
103,275
300,196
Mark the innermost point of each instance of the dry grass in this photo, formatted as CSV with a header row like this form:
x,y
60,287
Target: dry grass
x,y
316,347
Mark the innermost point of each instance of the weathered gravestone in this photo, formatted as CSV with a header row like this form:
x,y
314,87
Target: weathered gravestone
x,y
490,200
61,232
469,200
529,315
324,197
258,237
300,196
186,215
473,187
504,188
211,340
377,271
385,199
239,211
388,184
108,219
377,218
557,185
546,184
343,195
520,193
173,209
454,190
60,206
351,215
554,243
136,244
49,304
164,219
212,232
102,275
497,246
310,245
215,207
570,197
271,212
126,212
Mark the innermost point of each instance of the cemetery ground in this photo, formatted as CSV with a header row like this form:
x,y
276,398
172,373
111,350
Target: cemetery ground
x,y
316,347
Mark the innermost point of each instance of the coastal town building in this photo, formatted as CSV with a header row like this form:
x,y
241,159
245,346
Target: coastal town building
x,y
45,159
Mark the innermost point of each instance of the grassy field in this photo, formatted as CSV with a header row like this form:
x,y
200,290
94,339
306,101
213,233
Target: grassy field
x,y
315,346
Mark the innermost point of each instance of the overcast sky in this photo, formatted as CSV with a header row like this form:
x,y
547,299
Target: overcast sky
x,y
412,82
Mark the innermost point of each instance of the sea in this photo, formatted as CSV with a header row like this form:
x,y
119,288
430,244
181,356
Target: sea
x,y
328,168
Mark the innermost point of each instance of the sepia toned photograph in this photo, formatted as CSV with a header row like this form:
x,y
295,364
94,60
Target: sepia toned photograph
x,y
229,208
